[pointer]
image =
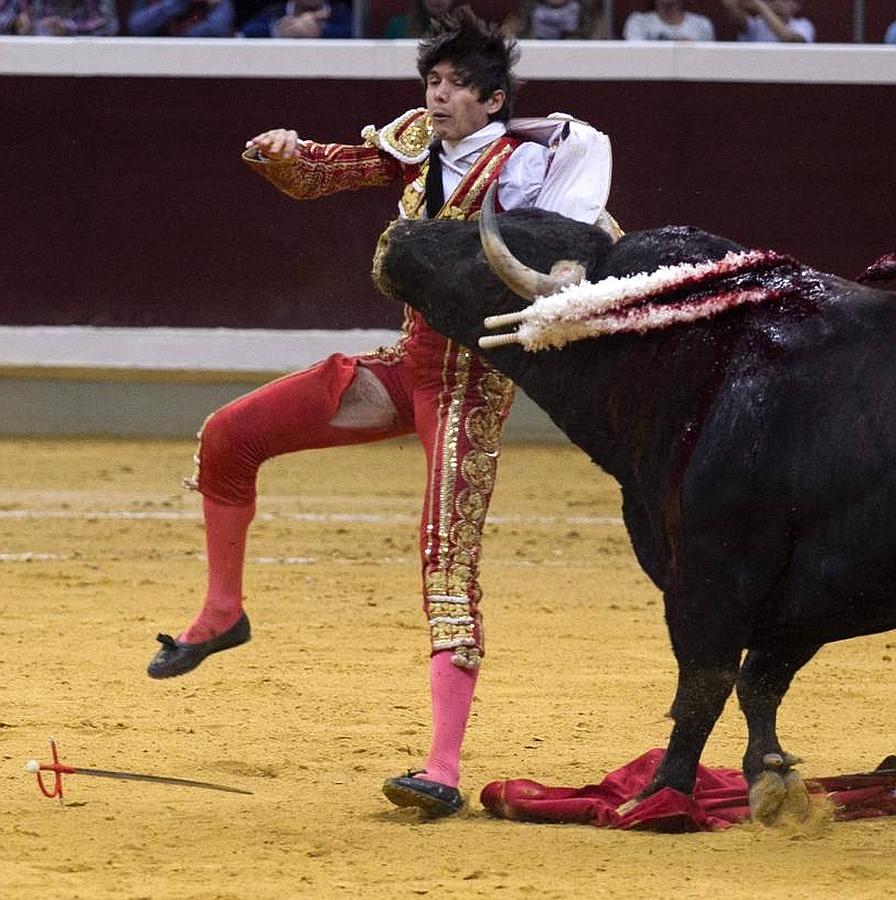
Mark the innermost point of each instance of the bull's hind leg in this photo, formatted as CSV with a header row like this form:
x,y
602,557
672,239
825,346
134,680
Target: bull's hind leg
x,y
764,678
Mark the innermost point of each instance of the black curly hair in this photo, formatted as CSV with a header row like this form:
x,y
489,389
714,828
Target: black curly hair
x,y
477,50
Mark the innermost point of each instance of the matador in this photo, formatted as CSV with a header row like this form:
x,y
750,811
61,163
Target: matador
x,y
444,156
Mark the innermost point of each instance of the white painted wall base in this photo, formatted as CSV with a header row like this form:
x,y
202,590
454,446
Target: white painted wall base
x,y
163,382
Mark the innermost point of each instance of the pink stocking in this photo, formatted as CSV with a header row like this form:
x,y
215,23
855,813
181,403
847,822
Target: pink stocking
x,y
452,694
225,540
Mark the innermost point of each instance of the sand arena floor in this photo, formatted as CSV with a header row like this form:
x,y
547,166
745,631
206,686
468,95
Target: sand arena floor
x,y
101,549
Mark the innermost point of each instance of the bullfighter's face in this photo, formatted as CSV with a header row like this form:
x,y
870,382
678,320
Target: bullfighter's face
x,y
456,108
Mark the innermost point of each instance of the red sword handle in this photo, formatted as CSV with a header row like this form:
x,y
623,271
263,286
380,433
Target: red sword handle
x,y
57,768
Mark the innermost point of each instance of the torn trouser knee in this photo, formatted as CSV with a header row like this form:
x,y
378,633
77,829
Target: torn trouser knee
x,y
288,414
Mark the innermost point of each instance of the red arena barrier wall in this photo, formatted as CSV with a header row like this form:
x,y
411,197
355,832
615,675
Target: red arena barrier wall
x,y
127,203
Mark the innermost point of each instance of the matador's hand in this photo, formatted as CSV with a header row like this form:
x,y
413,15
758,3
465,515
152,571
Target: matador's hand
x,y
278,143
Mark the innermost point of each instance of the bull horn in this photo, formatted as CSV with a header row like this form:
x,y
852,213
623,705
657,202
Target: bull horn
x,y
522,280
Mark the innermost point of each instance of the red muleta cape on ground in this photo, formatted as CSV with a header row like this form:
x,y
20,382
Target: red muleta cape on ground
x,y
719,800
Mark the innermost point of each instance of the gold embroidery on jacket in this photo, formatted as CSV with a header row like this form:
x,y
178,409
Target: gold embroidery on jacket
x,y
323,169
414,195
407,138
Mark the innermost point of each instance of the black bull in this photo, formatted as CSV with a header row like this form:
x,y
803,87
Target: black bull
x,y
756,452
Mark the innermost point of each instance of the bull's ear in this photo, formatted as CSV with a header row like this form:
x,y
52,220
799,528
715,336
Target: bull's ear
x,y
522,280
568,271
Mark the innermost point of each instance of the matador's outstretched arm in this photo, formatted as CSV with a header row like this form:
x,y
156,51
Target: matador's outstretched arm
x,y
305,170
317,170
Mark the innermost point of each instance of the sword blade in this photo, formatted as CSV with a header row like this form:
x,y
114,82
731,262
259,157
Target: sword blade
x,y
158,779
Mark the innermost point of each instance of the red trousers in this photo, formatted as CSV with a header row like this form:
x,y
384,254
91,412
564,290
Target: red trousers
x,y
457,406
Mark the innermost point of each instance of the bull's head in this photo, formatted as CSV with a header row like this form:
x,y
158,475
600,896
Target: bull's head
x,y
439,267
459,278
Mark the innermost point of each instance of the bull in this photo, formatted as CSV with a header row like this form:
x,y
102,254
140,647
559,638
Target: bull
x,y
746,405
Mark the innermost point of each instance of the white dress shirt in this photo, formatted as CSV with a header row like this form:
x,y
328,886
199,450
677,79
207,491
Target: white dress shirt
x,y
521,177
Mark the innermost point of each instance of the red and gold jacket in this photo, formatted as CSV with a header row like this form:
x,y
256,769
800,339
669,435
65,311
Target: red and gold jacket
x,y
397,153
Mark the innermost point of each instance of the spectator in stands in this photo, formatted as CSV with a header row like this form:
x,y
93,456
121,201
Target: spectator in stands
x,y
667,20
416,21
769,21
552,20
11,14
181,18
890,36
58,18
294,19
556,19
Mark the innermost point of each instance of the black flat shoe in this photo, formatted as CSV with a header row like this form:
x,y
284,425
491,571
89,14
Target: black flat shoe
x,y
176,658
433,798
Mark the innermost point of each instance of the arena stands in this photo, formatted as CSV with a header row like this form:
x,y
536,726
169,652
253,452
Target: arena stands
x,y
836,23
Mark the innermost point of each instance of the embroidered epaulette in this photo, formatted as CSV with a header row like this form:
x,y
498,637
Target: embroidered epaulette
x,y
407,138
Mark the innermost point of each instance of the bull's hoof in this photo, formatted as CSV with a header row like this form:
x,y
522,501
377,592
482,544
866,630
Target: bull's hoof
x,y
766,797
796,800
775,797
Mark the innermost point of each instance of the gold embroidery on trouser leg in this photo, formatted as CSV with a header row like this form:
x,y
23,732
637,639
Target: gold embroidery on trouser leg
x,y
449,448
451,627
191,483
452,589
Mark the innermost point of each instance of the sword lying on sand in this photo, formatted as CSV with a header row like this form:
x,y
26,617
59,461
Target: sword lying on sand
x,y
59,769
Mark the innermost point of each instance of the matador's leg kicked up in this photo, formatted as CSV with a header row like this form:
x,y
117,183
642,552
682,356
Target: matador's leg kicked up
x,y
294,413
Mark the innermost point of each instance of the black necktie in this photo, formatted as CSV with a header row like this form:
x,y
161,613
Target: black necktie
x,y
435,195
